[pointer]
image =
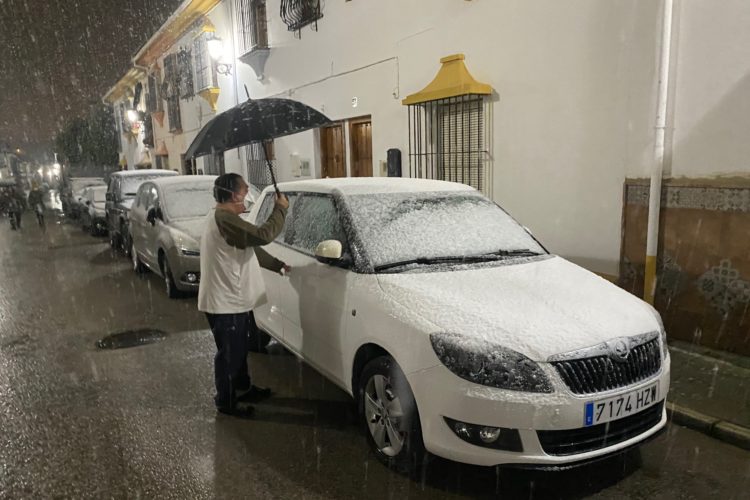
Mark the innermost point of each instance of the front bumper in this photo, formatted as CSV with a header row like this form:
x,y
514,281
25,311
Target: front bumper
x,y
182,267
440,393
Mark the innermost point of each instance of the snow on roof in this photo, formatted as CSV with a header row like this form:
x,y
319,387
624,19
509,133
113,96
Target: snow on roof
x,y
371,185
183,179
140,173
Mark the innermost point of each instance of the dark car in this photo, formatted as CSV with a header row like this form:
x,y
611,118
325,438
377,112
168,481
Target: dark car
x,y
121,192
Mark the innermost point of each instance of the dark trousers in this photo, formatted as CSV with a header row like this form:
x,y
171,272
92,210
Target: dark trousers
x,y
230,363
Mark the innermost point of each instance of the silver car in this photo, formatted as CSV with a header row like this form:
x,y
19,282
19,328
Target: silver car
x,y
166,223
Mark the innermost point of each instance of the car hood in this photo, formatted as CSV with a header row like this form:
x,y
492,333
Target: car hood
x,y
191,227
538,308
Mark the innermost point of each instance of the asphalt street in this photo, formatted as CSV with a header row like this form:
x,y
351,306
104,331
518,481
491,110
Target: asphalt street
x,y
83,422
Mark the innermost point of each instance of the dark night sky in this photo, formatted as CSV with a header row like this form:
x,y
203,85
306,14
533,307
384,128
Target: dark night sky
x,y
58,56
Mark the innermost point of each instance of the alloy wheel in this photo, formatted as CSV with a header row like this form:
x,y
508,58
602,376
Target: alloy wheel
x,y
384,415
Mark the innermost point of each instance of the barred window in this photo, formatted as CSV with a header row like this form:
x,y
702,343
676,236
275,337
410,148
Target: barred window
x,y
251,25
205,70
447,140
297,14
170,92
185,69
213,164
257,169
153,100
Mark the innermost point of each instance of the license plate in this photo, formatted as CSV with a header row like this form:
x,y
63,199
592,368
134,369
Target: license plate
x,y
605,410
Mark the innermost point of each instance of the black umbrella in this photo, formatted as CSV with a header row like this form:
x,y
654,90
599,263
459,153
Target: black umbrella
x,y
255,120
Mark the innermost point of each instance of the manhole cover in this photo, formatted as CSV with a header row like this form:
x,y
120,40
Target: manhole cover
x,y
130,338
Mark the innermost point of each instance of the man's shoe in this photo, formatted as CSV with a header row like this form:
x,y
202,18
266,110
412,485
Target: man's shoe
x,y
244,412
255,394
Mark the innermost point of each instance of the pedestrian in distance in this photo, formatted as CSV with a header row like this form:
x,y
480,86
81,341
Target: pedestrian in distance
x,y
15,204
231,286
36,203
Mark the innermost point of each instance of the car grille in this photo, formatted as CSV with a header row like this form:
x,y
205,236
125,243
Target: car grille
x,y
602,373
572,441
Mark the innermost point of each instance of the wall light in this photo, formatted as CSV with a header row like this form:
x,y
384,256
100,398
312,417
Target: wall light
x,y
132,115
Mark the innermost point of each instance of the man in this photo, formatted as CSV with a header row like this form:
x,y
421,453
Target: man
x,y
36,202
231,286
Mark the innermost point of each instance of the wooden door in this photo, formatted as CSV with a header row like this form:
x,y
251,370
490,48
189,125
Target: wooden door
x,y
332,151
360,135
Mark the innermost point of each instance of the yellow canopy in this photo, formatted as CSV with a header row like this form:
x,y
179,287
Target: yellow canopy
x,y
452,80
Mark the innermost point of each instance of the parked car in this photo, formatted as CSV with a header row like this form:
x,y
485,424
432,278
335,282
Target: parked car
x,y
455,330
166,224
93,210
72,190
121,192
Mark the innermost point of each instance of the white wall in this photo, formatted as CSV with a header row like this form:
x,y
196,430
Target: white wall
x,y
712,96
573,111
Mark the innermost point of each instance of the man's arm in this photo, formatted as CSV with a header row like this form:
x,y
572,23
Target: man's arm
x,y
267,261
241,234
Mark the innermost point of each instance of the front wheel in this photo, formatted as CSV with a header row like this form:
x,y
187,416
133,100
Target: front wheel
x,y
171,288
391,418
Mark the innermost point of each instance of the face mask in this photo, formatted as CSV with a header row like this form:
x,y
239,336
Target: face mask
x,y
248,204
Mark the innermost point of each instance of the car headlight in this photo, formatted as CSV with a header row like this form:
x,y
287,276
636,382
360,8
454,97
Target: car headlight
x,y
663,332
489,364
186,245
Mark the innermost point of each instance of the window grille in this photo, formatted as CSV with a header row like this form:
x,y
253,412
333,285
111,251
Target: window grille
x,y
251,24
170,92
297,14
447,140
153,101
257,169
185,71
148,131
214,164
205,70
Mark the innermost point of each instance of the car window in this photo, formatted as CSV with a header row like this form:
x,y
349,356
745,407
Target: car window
x,y
267,208
154,197
314,219
142,197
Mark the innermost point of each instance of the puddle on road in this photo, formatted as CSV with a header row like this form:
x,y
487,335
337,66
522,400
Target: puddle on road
x,y
131,338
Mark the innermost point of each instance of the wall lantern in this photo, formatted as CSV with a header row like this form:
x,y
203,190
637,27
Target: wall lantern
x,y
132,115
216,51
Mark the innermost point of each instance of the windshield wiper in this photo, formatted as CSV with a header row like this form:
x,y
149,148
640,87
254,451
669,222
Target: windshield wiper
x,y
422,261
516,252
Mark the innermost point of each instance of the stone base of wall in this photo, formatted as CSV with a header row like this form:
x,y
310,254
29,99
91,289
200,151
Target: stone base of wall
x,y
703,287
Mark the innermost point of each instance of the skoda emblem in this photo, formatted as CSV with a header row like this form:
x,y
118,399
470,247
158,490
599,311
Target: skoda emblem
x,y
620,350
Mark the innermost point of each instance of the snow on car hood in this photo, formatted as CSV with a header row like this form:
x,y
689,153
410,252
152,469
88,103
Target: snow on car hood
x,y
538,308
191,227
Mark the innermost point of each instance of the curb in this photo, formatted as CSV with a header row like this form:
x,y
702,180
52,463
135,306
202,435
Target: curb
x,y
728,432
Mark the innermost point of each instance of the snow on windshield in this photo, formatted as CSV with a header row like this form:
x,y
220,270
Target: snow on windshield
x,y
186,201
397,227
130,184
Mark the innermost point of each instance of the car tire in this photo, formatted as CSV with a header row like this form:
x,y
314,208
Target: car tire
x,y
171,288
125,241
393,429
138,266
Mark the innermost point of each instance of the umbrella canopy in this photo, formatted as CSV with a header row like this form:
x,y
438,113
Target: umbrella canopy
x,y
254,120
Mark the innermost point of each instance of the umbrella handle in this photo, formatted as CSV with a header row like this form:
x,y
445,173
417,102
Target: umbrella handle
x,y
270,168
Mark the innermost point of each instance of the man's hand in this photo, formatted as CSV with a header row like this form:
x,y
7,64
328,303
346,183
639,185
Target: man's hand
x,y
286,269
282,201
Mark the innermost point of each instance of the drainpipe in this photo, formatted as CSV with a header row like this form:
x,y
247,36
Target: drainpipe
x,y
654,203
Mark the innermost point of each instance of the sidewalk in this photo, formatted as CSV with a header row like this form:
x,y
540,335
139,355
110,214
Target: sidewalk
x,y
710,392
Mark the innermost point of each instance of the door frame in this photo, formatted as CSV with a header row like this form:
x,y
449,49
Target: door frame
x,y
337,123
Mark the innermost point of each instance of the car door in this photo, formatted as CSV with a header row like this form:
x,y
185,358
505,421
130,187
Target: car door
x,y
137,218
313,297
151,229
268,313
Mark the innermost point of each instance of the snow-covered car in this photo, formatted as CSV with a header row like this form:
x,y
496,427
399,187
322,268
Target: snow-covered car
x,y
92,212
166,224
71,193
121,192
456,331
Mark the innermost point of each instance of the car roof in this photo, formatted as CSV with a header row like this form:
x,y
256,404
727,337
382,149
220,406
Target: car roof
x,y
147,171
371,185
182,179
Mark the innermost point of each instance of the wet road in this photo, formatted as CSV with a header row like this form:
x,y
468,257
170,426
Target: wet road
x,y
82,422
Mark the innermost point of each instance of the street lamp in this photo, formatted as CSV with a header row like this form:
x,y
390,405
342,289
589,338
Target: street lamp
x,y
132,115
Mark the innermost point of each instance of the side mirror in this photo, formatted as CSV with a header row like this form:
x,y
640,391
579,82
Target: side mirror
x,y
331,252
151,216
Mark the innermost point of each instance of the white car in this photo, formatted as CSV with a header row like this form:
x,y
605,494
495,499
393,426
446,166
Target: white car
x,y
456,331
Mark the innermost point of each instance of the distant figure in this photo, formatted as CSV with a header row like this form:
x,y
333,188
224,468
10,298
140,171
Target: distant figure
x,y
15,206
229,289
36,203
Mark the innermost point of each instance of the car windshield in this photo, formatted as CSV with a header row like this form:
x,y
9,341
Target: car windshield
x,y
401,227
187,201
130,184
